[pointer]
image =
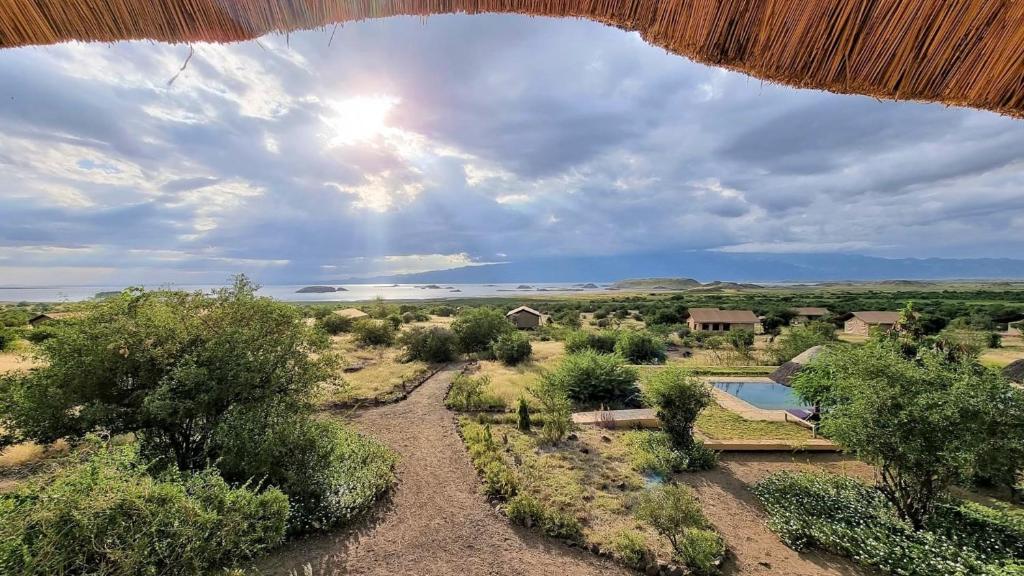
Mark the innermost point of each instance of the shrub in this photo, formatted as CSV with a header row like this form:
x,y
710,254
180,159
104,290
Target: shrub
x,y
335,324
499,479
7,338
526,510
639,347
701,550
331,475
433,345
523,415
408,317
630,549
477,328
845,517
800,338
556,407
652,453
467,393
591,378
700,457
108,516
443,311
512,348
580,341
678,398
39,334
374,332
395,320
671,510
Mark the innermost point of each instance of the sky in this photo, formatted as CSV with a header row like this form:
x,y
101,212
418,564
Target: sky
x,y
404,145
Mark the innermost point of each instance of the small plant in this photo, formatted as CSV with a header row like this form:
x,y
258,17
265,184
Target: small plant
x,y
701,550
467,392
652,453
640,347
556,408
671,510
629,547
477,328
512,348
525,510
523,415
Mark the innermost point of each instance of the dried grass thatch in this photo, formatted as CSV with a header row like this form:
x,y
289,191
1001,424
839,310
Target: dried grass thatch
x,y
1014,372
962,52
784,374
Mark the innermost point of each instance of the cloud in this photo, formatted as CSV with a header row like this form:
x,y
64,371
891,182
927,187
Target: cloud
x,y
395,148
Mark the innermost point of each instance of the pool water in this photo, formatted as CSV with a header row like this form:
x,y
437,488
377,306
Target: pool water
x,y
766,395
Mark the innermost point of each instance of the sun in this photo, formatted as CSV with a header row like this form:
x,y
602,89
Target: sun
x,y
359,119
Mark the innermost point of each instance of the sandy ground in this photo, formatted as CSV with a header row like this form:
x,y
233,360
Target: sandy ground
x,y
437,522
756,551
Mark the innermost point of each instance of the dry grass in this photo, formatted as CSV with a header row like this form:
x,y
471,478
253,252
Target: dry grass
x,y
589,478
964,52
1011,351
510,382
16,360
381,374
718,423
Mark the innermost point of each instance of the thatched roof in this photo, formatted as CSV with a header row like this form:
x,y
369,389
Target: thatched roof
x,y
811,311
963,52
1014,371
353,313
784,374
525,309
714,316
875,317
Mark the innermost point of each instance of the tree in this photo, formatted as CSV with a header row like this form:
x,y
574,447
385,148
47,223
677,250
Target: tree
x,y
335,323
477,328
800,338
435,344
640,347
742,341
924,422
595,379
512,348
168,367
678,397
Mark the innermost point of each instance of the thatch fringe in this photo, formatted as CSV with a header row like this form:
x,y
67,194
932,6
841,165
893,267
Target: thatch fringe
x,y
961,52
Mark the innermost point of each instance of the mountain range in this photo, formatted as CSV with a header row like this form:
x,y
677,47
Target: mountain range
x,y
708,265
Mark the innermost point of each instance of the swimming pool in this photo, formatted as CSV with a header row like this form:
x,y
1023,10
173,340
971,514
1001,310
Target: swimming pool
x,y
766,395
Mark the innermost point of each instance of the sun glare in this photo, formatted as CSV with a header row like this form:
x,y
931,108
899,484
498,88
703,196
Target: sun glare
x,y
359,119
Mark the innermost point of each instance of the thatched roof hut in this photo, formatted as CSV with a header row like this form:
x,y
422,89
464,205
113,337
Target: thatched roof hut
x,y
784,374
1014,372
962,52
351,313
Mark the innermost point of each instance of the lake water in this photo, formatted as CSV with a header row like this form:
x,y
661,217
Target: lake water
x,y
766,395
353,292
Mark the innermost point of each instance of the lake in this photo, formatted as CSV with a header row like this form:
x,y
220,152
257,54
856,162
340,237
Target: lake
x,y
353,292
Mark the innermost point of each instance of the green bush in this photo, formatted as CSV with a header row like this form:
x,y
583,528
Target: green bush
x,y
468,393
109,516
335,324
800,338
556,408
701,550
512,348
591,378
630,549
674,512
700,457
477,328
373,332
331,474
843,516
39,334
678,398
7,338
499,479
652,453
640,347
433,345
581,341
523,415
526,510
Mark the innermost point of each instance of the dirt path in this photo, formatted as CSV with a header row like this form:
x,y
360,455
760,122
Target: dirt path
x,y
437,521
728,503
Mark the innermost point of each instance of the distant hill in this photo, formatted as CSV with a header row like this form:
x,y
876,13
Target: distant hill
x,y
656,284
707,266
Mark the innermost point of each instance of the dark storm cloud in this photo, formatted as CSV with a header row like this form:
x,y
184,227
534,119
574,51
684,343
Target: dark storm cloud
x,y
506,138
